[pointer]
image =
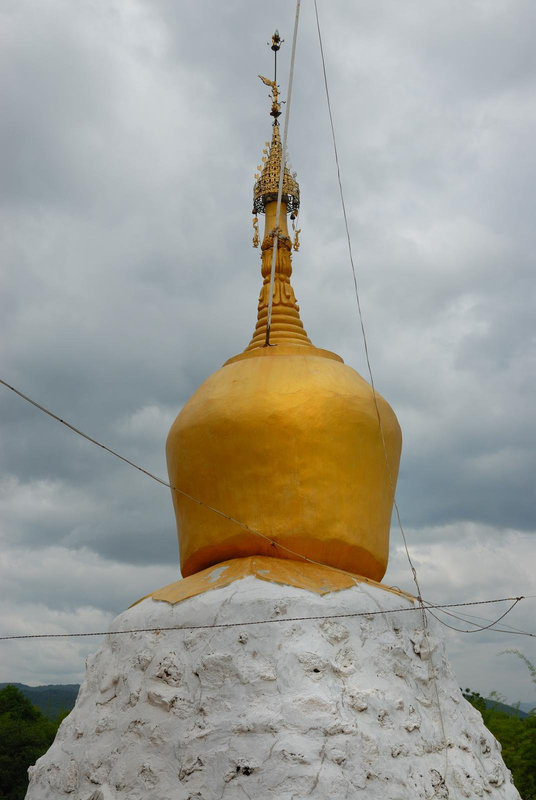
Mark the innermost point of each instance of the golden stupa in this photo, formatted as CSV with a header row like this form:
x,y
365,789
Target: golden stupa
x,y
284,441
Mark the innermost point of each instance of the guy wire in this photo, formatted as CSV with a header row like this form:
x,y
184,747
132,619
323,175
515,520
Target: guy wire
x,y
281,176
431,673
344,615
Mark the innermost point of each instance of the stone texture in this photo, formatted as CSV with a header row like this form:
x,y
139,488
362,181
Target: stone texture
x,y
325,708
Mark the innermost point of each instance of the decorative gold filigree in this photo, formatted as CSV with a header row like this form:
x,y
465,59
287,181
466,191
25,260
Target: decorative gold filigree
x,y
267,185
283,295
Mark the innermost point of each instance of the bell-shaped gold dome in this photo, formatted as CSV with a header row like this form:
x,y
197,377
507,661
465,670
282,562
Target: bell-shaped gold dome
x,y
284,438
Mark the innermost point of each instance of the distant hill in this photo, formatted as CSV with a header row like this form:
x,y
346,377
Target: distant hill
x,y
512,711
50,700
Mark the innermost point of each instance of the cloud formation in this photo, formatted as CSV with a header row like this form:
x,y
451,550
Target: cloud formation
x,y
131,137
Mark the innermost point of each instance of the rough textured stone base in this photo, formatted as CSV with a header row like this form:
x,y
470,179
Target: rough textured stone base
x,y
327,709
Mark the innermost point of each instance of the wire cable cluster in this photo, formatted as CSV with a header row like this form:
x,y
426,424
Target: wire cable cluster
x,y
281,176
243,623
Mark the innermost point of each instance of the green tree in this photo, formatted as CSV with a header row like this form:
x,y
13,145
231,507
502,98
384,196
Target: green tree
x,y
517,737
528,663
25,734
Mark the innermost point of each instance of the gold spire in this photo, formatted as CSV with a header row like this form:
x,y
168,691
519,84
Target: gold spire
x,y
286,325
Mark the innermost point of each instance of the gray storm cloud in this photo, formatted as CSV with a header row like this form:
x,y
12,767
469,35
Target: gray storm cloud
x,y
130,138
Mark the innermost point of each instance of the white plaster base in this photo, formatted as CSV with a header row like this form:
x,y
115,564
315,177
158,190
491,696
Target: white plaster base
x,y
327,709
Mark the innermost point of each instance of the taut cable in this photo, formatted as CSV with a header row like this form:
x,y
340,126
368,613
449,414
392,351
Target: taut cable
x,y
281,176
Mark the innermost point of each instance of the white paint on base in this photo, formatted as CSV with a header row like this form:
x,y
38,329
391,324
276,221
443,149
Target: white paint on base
x,y
340,708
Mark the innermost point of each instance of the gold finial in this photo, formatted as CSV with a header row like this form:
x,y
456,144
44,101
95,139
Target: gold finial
x,y
277,41
267,182
276,106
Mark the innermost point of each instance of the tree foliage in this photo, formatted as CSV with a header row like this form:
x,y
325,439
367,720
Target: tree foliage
x,y
25,734
517,737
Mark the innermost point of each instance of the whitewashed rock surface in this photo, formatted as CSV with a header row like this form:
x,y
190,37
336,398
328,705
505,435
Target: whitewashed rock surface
x,y
326,709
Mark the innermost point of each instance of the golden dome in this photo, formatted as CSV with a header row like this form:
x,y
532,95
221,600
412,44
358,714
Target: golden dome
x,y
284,438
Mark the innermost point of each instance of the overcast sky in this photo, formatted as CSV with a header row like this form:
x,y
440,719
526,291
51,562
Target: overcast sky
x,y
131,131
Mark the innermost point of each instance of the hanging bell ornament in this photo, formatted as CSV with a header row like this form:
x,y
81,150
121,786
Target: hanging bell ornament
x,y
256,231
297,231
